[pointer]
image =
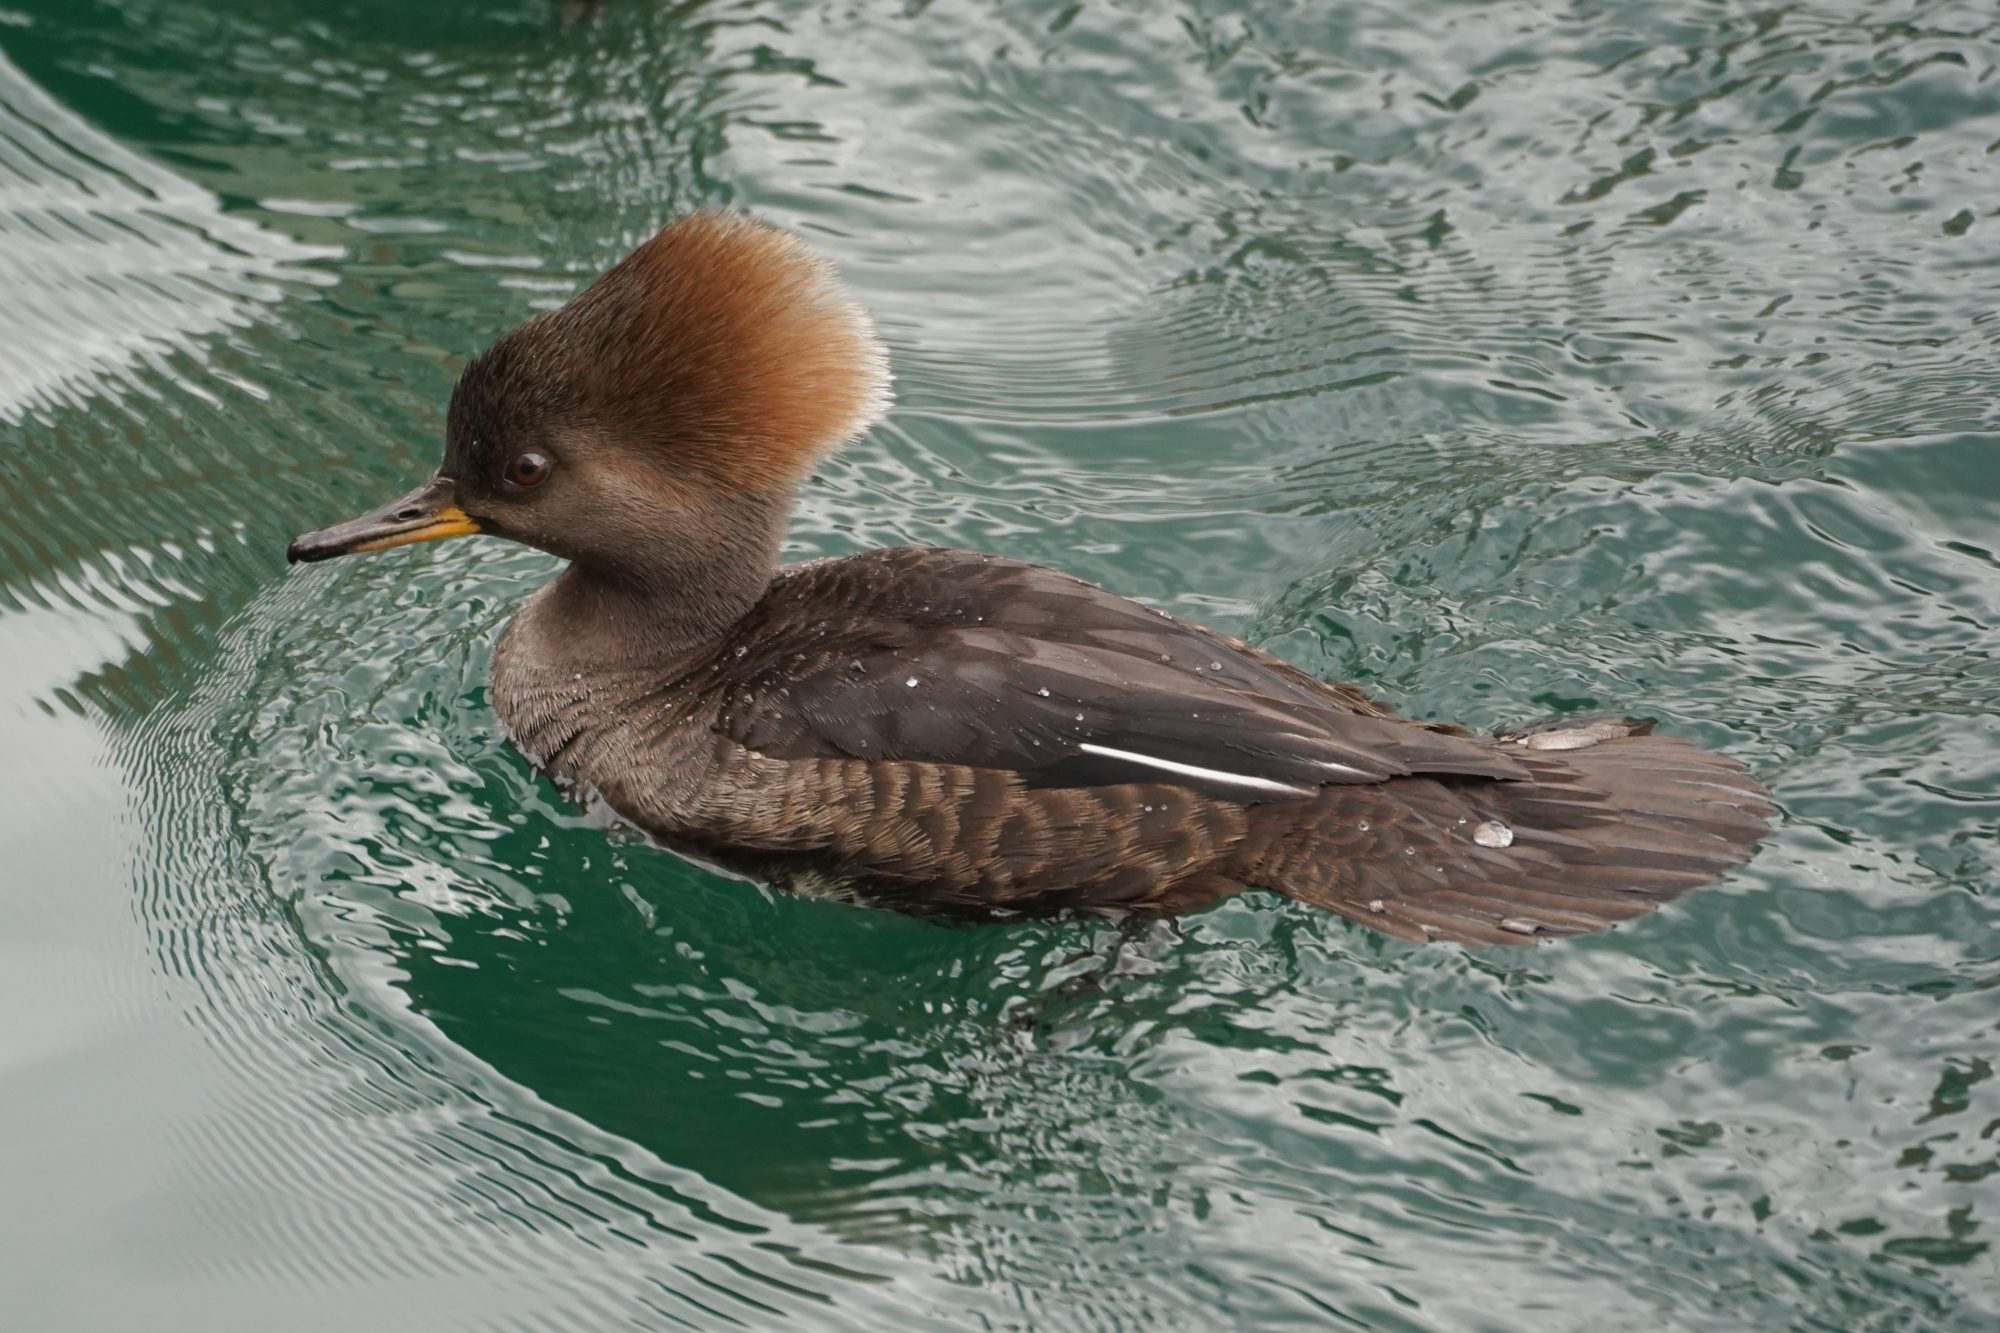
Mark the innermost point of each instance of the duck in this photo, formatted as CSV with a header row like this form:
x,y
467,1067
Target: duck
x,y
951,732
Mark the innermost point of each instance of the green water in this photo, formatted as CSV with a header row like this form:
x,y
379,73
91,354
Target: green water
x,y
1509,358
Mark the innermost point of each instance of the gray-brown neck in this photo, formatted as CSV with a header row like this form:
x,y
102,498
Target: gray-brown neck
x,y
657,600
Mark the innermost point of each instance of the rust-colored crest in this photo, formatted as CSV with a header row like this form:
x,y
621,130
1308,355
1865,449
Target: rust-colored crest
x,y
724,342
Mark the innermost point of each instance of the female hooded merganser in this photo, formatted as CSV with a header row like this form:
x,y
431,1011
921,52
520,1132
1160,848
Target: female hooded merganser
x,y
944,731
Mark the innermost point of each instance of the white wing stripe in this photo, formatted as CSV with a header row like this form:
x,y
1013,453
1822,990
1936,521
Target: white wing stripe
x,y
1329,764
1192,771
1342,768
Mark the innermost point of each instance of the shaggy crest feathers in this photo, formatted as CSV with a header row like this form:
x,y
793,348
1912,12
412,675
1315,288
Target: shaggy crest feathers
x,y
724,341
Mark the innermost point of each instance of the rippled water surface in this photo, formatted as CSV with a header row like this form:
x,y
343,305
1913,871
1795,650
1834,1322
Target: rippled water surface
x,y
1510,358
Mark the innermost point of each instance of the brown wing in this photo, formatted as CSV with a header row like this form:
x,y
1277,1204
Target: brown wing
x,y
967,660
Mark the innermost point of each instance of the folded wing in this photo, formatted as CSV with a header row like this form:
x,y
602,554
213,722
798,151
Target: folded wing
x,y
969,660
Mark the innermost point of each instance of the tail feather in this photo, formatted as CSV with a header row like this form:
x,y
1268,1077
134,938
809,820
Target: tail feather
x,y
1612,822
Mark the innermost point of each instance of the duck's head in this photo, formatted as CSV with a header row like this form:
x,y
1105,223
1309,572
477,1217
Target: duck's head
x,y
660,420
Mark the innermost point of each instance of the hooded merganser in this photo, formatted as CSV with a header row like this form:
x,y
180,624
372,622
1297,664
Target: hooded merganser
x,y
944,731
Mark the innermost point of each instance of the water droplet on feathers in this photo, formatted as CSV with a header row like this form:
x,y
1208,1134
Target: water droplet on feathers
x,y
1493,833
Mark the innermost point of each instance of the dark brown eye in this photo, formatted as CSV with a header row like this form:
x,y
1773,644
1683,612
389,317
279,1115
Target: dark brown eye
x,y
530,469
